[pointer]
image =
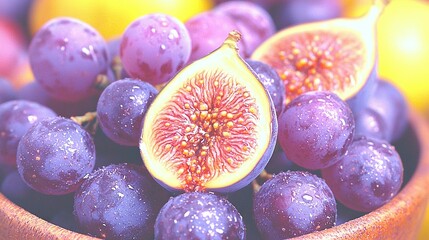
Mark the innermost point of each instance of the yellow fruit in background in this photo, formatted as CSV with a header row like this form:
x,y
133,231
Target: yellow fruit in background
x,y
355,8
403,42
110,17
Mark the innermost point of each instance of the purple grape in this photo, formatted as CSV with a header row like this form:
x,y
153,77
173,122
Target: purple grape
x,y
54,155
371,124
292,204
33,91
109,152
122,119
119,202
155,47
17,11
199,215
16,117
315,129
16,190
66,56
7,92
390,103
243,201
280,163
116,67
208,30
369,175
65,219
271,81
253,21
5,169
292,12
345,214
43,206
263,3
114,46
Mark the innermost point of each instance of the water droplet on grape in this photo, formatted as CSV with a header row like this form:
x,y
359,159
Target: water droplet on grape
x,y
307,198
186,214
89,53
173,34
162,48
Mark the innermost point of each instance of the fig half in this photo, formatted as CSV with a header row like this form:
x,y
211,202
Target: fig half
x,y
213,127
337,55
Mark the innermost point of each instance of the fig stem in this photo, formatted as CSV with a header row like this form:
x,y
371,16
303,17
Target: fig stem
x,y
376,10
88,121
232,39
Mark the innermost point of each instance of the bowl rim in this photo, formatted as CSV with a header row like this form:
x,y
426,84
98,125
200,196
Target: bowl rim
x,y
17,223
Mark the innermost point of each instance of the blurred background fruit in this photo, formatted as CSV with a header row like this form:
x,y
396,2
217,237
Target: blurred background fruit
x,y
16,11
355,8
12,45
21,74
292,12
403,39
111,18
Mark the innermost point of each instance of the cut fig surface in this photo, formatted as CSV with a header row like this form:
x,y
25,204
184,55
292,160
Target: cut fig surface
x,y
319,60
337,55
212,127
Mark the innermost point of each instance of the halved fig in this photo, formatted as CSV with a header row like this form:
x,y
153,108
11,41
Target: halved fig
x,y
337,55
213,127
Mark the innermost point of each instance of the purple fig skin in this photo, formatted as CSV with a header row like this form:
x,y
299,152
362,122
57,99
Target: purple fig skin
x,y
358,102
288,13
271,81
262,163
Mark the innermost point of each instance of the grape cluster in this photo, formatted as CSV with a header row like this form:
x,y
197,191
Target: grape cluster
x,y
69,141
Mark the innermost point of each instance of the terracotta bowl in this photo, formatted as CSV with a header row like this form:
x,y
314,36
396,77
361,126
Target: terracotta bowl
x,y
401,218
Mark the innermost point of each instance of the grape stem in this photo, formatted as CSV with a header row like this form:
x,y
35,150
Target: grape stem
x,y
117,67
263,177
101,82
88,121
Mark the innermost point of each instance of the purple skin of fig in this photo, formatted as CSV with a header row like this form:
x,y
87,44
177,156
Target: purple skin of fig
x,y
358,102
